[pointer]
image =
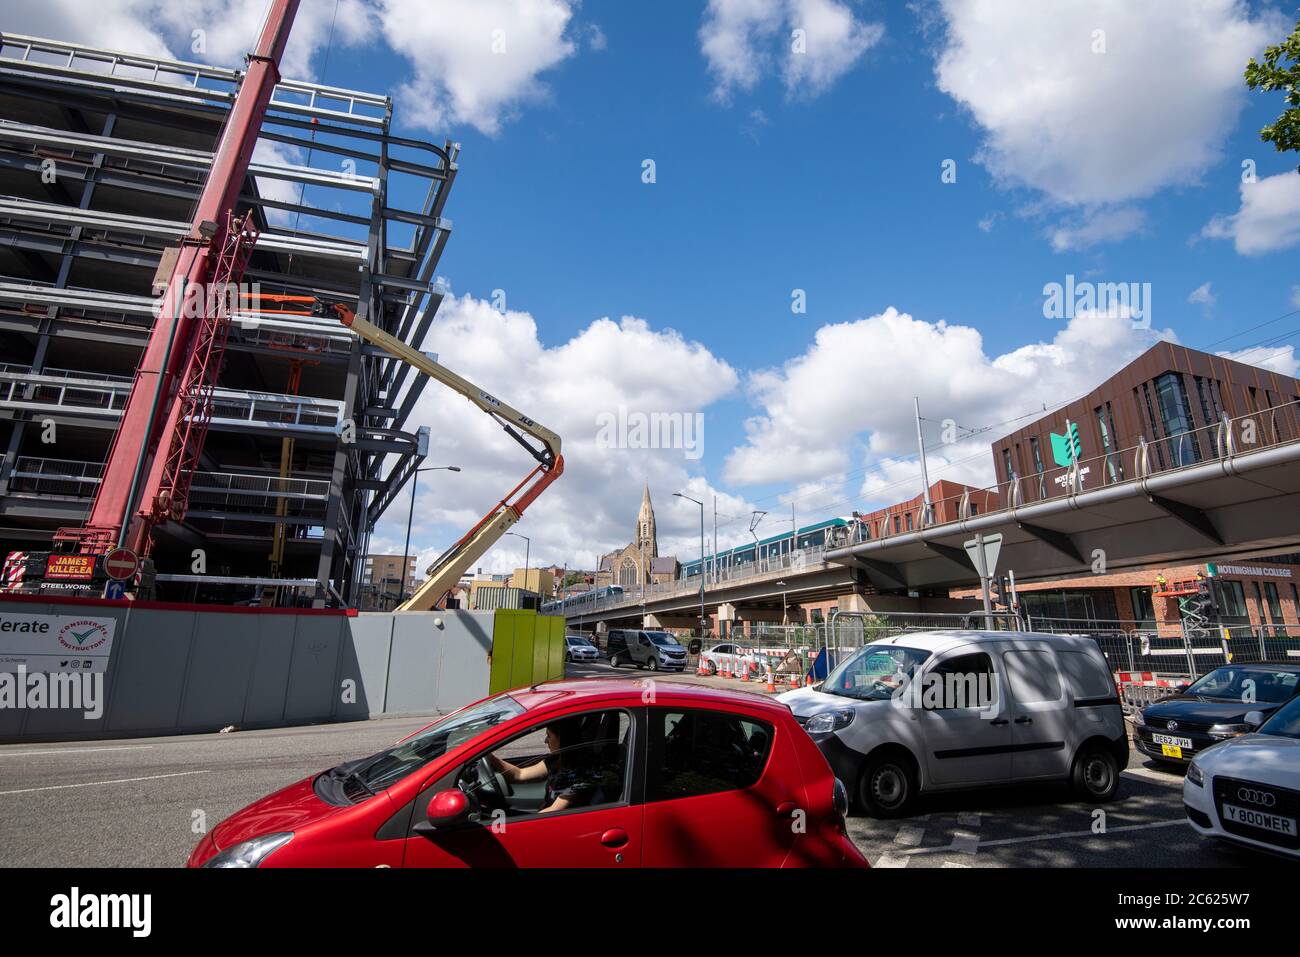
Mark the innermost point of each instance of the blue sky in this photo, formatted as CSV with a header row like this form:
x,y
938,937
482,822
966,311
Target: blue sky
x,y
768,180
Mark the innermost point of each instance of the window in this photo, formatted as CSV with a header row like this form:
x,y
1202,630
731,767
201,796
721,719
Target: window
x,y
1210,409
1233,683
909,521
967,681
1033,676
1087,677
1231,600
577,762
704,752
1106,427
896,525
388,767
1038,459
1151,423
974,508
1038,466
1144,610
874,672
1176,415
1274,603
1009,473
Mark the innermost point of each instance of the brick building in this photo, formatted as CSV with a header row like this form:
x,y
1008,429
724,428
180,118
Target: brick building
x,y
945,501
1170,397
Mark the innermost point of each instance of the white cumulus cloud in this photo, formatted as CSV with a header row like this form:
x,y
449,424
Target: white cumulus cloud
x,y
1268,220
1052,86
812,42
592,507
476,62
848,396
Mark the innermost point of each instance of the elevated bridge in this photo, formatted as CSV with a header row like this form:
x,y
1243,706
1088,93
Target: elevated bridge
x,y
1239,501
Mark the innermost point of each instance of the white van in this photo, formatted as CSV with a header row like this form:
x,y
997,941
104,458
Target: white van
x,y
945,710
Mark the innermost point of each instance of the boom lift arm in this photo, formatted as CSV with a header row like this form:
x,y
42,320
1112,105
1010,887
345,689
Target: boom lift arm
x,y
448,568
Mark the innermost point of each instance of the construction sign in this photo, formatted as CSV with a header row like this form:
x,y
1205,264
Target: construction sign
x,y
65,567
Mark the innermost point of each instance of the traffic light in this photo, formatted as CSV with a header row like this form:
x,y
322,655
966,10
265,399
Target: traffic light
x,y
1000,591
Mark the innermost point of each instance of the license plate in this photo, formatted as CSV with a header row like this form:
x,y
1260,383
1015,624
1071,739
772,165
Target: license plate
x,y
1171,751
1175,742
1265,822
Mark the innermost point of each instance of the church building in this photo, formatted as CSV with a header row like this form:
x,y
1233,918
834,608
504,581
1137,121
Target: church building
x,y
638,562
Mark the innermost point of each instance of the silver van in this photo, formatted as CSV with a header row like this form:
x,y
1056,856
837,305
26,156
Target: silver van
x,y
946,710
646,649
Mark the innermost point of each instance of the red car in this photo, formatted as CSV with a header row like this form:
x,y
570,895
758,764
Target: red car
x,y
591,773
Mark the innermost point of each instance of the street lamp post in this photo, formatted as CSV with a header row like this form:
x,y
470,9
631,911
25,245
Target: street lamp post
x,y
528,547
701,505
785,616
410,515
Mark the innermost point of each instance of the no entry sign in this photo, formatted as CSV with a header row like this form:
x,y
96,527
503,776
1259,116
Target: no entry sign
x,y
121,564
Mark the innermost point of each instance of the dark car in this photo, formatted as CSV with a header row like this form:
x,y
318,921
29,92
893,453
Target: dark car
x,y
1213,709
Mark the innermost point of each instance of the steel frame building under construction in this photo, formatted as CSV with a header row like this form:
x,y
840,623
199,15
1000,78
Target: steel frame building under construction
x,y
102,157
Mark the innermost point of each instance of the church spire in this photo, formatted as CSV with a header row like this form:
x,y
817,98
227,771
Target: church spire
x,y
646,538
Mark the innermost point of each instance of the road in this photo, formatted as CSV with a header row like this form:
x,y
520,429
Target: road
x,y
143,802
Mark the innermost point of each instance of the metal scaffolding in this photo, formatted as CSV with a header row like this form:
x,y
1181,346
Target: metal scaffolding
x,y
103,155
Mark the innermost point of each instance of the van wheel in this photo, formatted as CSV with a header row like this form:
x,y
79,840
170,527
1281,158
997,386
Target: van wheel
x,y
652,664
1096,774
613,661
887,786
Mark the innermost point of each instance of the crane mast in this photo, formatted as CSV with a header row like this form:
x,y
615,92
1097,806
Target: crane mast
x,y
146,477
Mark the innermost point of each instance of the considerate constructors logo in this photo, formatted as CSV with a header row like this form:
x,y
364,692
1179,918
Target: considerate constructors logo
x,y
82,635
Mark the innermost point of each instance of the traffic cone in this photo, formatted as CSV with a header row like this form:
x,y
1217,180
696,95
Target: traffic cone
x,y
744,670
701,666
794,680
771,683
726,667
807,681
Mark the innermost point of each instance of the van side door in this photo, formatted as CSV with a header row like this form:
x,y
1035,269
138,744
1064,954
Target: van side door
x,y
962,712
1042,711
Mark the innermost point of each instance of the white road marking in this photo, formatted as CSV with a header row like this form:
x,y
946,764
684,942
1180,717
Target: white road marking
x,y
1051,837
910,836
93,784
20,754
969,819
888,860
965,842
1159,777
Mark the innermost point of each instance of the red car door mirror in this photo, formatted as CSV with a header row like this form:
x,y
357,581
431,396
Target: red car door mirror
x,y
448,807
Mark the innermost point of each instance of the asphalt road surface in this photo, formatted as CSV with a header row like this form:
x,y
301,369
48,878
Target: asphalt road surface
x,y
143,802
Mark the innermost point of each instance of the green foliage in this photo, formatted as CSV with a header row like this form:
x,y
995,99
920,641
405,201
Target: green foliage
x,y
1274,75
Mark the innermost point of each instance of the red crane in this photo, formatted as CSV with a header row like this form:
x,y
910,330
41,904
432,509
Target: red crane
x,y
163,427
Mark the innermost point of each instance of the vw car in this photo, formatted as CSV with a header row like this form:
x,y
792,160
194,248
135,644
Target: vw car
x,y
948,710
1212,709
1247,790
564,774
578,648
